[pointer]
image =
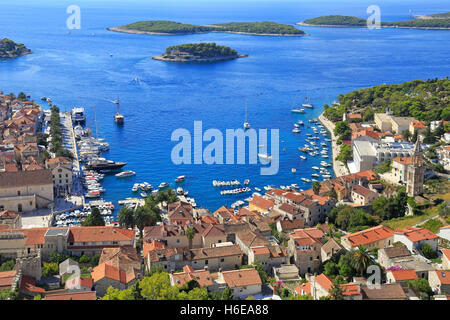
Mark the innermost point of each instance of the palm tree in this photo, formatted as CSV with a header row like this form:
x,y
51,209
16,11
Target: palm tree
x,y
316,187
126,217
142,218
190,233
361,259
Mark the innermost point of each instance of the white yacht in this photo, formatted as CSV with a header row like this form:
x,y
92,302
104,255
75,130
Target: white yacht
x,y
125,174
246,124
307,104
265,157
78,115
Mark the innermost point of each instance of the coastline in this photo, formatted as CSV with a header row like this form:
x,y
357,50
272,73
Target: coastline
x,y
341,26
213,59
133,31
18,55
339,168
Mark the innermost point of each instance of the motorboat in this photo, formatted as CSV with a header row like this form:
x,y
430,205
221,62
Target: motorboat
x,y
180,191
296,130
125,174
163,185
78,115
180,179
265,157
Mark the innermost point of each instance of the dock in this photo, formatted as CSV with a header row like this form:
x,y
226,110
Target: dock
x,y
339,168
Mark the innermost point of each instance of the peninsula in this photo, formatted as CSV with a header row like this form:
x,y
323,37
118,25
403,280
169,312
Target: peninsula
x,y
438,21
10,49
198,52
160,27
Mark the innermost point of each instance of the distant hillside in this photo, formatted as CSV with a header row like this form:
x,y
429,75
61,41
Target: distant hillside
x,y
424,100
176,28
10,49
349,21
445,15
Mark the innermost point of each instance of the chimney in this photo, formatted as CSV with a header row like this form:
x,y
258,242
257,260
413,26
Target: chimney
x,y
171,271
205,267
220,270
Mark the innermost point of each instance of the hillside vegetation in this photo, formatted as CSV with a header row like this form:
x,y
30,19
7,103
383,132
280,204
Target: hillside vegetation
x,y
424,100
171,27
208,50
10,49
338,20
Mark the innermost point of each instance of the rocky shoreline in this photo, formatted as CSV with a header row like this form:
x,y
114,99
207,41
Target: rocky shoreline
x,y
341,26
339,168
133,31
212,59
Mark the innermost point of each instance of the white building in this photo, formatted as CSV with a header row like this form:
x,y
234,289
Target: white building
x,y
414,238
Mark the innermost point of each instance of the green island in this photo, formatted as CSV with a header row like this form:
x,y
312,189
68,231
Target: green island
x,y
198,52
10,49
424,100
175,28
445,15
438,21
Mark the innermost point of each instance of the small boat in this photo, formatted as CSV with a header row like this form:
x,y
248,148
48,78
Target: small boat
x,y
163,185
143,194
303,157
125,174
315,175
293,170
258,189
298,110
296,130
180,179
246,182
300,122
296,125
246,124
305,179
180,191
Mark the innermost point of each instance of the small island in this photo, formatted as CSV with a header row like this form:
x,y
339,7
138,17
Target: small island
x,y
436,21
198,52
10,49
161,27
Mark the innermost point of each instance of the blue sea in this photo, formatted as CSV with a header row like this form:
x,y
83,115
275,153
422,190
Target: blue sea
x,y
77,69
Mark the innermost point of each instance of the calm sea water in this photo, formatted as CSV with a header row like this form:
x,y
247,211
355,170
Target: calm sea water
x,y
76,69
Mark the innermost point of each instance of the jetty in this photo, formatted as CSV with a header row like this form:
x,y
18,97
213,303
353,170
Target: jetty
x,y
339,168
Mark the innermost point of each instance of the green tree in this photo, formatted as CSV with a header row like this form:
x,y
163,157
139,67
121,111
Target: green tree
x,y
157,287
336,292
316,187
361,260
227,294
125,217
142,219
345,153
342,129
301,297
190,234
94,219
421,287
428,251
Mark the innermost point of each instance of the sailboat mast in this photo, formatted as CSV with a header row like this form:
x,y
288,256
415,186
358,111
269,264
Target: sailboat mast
x,y
95,121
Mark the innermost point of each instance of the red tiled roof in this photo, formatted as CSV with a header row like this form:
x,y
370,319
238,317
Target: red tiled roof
x,y
304,288
6,279
87,295
203,277
443,275
446,253
417,234
369,235
241,277
262,203
403,160
350,289
83,281
29,284
402,275
106,270
324,281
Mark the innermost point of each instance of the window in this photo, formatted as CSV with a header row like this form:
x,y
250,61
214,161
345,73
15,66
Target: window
x,y
19,207
18,193
206,262
222,260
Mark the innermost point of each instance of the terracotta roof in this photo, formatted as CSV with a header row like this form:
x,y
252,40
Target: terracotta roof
x,y
260,250
289,208
96,234
262,203
365,192
252,239
446,253
165,254
180,211
350,289
304,288
6,279
83,281
391,291
369,235
58,160
241,277
203,277
394,252
7,214
25,178
354,116
324,281
443,275
29,284
152,246
105,270
403,160
418,124
402,275
368,174
214,252
121,257
313,233
87,295
294,224
417,234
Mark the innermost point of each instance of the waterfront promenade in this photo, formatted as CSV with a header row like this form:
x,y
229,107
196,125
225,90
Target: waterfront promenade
x,y
339,168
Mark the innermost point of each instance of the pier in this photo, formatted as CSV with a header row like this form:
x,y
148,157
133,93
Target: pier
x,y
339,168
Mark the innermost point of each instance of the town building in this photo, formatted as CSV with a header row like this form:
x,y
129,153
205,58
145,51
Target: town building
x,y
439,281
375,237
243,282
414,238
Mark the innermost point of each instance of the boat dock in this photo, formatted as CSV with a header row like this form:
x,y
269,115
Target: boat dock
x,y
339,168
